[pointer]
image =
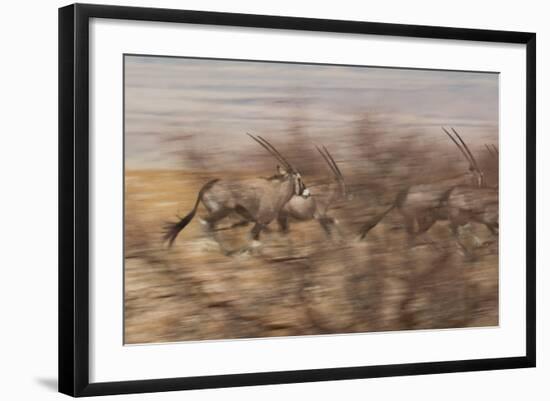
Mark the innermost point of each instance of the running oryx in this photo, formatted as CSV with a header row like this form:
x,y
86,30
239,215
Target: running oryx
x,y
460,200
257,199
315,207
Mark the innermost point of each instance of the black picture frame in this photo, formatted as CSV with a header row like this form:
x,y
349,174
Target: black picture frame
x,y
74,198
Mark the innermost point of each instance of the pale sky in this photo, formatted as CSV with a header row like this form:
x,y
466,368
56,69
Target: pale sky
x,y
215,102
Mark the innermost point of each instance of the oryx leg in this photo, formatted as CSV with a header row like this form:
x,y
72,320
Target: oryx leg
x,y
256,230
419,226
424,225
410,227
255,233
413,228
282,221
492,227
246,218
469,255
242,223
326,223
212,219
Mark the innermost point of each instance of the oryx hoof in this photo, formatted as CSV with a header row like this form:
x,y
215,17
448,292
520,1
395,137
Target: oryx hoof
x,y
234,252
247,250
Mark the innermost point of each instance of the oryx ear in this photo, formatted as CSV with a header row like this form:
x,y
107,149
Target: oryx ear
x,y
281,171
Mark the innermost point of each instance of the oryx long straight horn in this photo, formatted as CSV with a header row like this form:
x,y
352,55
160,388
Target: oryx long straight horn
x,y
474,161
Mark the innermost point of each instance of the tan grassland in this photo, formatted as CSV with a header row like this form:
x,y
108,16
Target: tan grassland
x,y
302,283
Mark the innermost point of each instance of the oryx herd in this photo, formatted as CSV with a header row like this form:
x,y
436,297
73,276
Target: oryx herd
x,y
283,197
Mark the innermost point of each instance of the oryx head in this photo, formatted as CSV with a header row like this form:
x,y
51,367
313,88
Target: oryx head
x,y
285,171
476,174
299,186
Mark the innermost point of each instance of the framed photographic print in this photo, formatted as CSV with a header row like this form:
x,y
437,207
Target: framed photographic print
x,y
249,199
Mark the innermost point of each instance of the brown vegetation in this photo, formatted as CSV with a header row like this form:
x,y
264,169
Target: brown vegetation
x,y
304,283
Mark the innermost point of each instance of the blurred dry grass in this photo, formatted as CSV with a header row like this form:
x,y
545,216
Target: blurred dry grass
x,y
302,283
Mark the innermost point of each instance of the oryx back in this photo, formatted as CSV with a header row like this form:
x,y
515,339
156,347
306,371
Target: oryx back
x,y
422,197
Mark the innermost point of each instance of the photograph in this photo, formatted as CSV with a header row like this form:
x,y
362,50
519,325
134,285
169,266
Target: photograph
x,y
275,201
280,199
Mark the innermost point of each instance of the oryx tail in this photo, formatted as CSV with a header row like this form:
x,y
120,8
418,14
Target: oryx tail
x,y
369,225
171,230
